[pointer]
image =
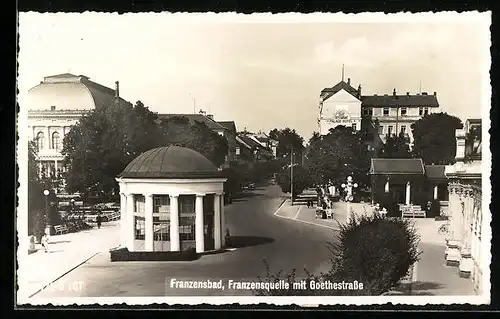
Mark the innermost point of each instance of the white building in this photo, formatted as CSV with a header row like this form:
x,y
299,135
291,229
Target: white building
x,y
467,246
172,200
339,105
55,105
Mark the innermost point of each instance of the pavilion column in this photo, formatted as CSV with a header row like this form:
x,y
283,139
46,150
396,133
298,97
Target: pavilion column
x,y
148,214
217,222
436,192
386,187
408,193
55,168
222,221
130,222
47,137
123,220
199,225
174,223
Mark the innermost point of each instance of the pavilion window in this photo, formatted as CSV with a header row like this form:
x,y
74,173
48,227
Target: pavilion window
x,y
140,227
404,111
381,130
56,141
187,216
421,111
161,218
386,111
139,204
354,126
426,111
40,140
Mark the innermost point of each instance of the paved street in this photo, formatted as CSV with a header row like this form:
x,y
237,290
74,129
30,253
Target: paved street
x,y
286,244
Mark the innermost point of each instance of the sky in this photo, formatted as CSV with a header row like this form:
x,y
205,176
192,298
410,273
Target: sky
x,y
262,73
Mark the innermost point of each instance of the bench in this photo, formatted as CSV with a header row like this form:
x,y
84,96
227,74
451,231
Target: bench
x,y
413,214
61,229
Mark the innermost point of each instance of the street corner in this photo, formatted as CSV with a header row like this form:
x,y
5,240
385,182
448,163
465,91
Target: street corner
x,y
286,210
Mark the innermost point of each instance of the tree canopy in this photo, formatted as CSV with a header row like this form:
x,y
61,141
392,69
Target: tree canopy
x,y
288,139
434,138
396,146
337,155
197,136
103,142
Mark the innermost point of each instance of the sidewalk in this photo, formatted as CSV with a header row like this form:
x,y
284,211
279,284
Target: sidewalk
x,y
66,252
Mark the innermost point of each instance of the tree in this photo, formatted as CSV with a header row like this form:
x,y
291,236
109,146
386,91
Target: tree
x,y
103,142
396,147
374,251
337,155
288,140
197,136
301,180
434,138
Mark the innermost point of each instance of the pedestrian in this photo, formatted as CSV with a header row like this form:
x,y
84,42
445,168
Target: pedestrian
x,y
45,242
98,220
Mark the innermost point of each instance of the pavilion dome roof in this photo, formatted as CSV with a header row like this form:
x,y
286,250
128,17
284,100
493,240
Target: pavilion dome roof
x,y
171,162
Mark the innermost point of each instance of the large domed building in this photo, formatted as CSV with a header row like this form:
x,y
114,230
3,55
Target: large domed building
x,y
171,200
56,104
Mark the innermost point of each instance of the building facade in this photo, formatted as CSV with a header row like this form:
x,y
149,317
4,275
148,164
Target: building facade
x,y
54,106
466,246
339,105
390,114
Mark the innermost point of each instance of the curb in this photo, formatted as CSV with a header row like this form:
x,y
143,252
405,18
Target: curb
x,y
64,274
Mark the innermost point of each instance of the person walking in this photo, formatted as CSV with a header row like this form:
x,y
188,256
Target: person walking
x,y
45,242
98,220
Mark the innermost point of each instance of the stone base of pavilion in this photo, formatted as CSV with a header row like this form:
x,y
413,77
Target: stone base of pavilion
x,y
123,254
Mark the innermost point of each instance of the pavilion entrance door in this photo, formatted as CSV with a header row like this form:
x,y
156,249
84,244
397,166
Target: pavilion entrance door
x,y
208,221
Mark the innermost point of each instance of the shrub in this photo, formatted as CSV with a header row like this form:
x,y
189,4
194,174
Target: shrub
x,y
374,251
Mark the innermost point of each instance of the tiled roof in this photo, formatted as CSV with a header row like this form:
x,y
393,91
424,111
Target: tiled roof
x,y
242,142
396,166
248,140
435,172
399,100
328,92
230,125
211,124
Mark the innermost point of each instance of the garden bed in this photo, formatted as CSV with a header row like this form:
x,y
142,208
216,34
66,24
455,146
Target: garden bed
x,y
123,254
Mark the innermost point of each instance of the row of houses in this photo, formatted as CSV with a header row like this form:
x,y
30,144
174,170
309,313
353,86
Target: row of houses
x,y
59,101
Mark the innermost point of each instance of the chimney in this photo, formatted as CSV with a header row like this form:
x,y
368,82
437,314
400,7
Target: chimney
x,y
424,93
52,107
348,81
210,116
359,90
435,93
117,89
407,93
394,92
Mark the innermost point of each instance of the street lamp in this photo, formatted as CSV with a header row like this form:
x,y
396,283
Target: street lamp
x,y
348,187
47,226
291,175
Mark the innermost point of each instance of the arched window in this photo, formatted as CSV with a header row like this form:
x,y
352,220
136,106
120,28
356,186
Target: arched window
x,y
40,140
56,141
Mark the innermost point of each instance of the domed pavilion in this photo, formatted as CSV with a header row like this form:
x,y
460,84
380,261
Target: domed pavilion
x,y
171,200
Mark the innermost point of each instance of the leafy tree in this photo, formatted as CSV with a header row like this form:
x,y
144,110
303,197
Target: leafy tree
x,y
337,155
434,138
197,136
396,147
374,251
288,140
103,142
301,180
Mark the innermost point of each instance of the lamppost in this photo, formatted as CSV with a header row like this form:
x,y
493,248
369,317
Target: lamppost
x,y
291,175
47,226
348,187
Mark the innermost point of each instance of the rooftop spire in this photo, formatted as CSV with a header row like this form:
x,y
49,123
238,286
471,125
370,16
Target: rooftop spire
x,y
342,72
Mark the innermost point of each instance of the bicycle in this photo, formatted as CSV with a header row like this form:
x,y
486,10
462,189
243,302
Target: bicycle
x,y
444,229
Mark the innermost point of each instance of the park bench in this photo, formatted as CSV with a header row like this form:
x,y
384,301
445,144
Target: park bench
x,y
61,229
413,214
